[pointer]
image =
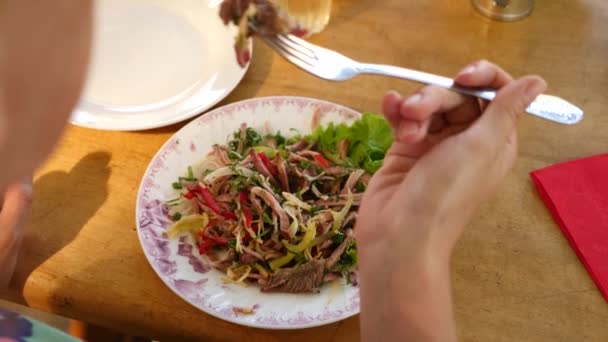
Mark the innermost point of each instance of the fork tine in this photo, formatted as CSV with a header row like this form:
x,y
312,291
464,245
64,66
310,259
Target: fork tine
x,y
286,40
301,42
312,61
287,54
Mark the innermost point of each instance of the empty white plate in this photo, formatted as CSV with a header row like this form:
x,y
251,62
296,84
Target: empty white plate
x,y
155,63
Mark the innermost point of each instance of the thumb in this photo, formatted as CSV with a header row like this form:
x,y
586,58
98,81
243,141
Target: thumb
x,y
502,114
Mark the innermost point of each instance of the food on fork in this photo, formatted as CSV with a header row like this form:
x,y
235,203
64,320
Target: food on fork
x,y
255,17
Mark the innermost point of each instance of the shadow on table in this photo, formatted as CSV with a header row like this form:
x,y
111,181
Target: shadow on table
x,y
247,88
63,203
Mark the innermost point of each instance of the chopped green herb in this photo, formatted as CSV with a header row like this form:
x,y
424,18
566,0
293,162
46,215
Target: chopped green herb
x,y
348,260
177,216
268,151
264,233
190,173
360,187
305,164
277,137
240,183
299,259
232,244
234,156
233,145
338,238
295,139
266,218
177,185
351,252
347,276
315,210
252,137
284,153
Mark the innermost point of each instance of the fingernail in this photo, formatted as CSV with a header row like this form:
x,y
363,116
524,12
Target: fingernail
x,y
535,87
414,99
27,189
392,92
468,70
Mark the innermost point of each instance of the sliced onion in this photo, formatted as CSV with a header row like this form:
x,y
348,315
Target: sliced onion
x,y
228,171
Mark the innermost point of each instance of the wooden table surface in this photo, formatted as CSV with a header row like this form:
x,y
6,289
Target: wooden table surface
x,y
515,278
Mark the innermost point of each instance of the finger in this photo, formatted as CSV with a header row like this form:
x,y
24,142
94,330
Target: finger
x,y
17,200
420,112
412,131
390,106
483,74
468,112
437,124
401,157
499,120
430,100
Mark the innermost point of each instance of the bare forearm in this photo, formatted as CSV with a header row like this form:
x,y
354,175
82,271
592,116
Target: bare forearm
x,y
44,50
405,298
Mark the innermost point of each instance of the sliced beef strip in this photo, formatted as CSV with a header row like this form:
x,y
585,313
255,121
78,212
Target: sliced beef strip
x,y
337,253
307,277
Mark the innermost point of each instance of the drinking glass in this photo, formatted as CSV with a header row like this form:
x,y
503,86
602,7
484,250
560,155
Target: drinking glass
x,y
311,16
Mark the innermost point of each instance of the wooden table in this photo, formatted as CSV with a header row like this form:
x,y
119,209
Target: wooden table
x,y
515,278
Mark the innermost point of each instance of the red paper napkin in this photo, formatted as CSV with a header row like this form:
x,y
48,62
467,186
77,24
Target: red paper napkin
x,y
576,193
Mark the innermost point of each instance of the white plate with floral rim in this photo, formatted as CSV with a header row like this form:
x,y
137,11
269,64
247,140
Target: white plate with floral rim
x,y
155,63
178,263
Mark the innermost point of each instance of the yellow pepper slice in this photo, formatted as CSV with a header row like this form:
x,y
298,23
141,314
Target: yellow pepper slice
x,y
307,240
340,216
282,261
188,224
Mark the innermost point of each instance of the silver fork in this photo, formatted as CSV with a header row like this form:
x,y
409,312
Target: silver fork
x,y
330,65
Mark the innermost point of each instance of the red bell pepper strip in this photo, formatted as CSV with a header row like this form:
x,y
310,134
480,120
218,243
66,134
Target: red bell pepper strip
x,y
243,198
208,198
190,194
211,223
246,238
204,247
229,215
248,217
322,161
246,212
209,241
270,166
218,240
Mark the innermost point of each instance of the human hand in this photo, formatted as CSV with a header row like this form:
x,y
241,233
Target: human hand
x,y
450,153
14,207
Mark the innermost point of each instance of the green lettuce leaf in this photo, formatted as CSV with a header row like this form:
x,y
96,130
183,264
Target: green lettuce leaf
x,y
369,138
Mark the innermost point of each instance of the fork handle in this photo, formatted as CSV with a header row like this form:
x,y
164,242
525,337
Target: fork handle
x,y
545,106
